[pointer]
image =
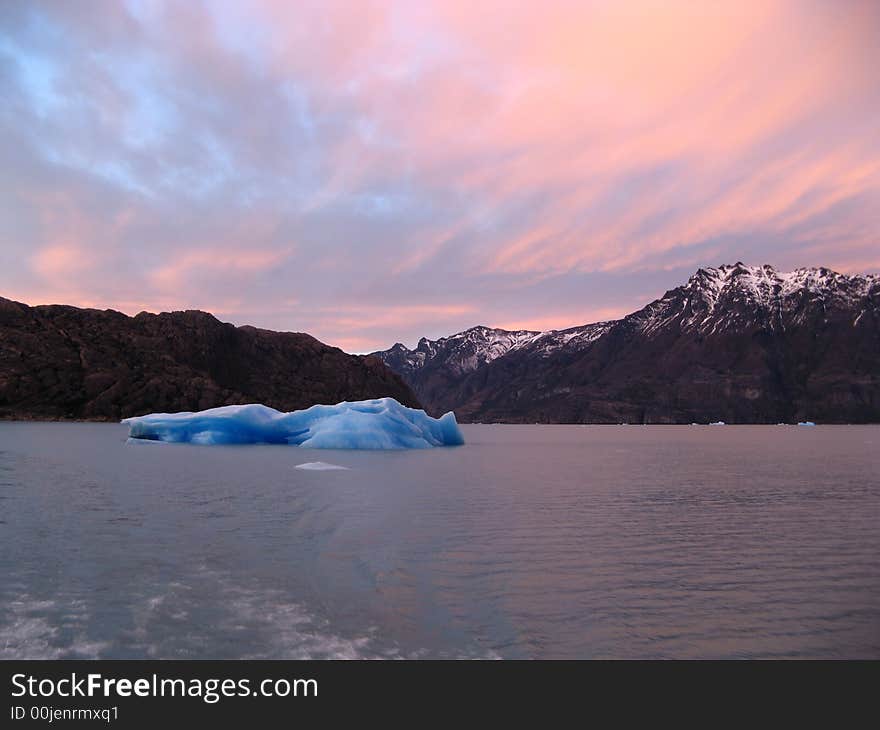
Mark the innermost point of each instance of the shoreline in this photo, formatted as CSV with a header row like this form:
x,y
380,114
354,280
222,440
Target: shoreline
x,y
49,419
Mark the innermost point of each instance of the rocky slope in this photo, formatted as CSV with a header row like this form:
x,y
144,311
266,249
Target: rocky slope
x,y
440,370
64,362
736,343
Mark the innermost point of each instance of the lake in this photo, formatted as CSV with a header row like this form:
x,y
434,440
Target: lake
x,y
528,542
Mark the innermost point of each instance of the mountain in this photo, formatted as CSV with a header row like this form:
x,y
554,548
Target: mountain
x,y
742,344
65,362
440,370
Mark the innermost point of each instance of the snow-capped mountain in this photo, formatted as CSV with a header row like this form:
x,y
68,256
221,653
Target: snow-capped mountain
x,y
735,343
738,296
466,351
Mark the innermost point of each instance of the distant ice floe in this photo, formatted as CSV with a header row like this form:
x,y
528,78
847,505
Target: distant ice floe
x,y
718,423
382,423
320,466
806,423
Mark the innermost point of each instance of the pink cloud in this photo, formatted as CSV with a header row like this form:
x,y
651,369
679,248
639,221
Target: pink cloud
x,y
565,319
515,147
574,96
60,260
175,273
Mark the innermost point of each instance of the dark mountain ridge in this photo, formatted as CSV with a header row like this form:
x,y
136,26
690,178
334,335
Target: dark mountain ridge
x,y
736,343
58,361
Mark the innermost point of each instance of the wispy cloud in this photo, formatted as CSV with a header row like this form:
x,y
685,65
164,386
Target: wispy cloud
x,y
374,171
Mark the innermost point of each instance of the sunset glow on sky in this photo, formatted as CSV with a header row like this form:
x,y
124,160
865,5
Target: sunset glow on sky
x,y
372,172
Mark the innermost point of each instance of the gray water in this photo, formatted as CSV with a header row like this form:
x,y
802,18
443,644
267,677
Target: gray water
x,y
530,541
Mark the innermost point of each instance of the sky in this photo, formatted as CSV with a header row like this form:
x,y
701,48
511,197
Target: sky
x,y
372,172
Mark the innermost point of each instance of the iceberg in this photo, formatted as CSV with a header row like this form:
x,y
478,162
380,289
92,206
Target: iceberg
x,y
382,423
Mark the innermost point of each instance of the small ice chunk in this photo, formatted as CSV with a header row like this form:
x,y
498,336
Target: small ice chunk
x,y
718,423
806,423
320,466
382,423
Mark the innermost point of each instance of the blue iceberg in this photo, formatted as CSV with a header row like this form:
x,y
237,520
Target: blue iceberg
x,y
382,423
